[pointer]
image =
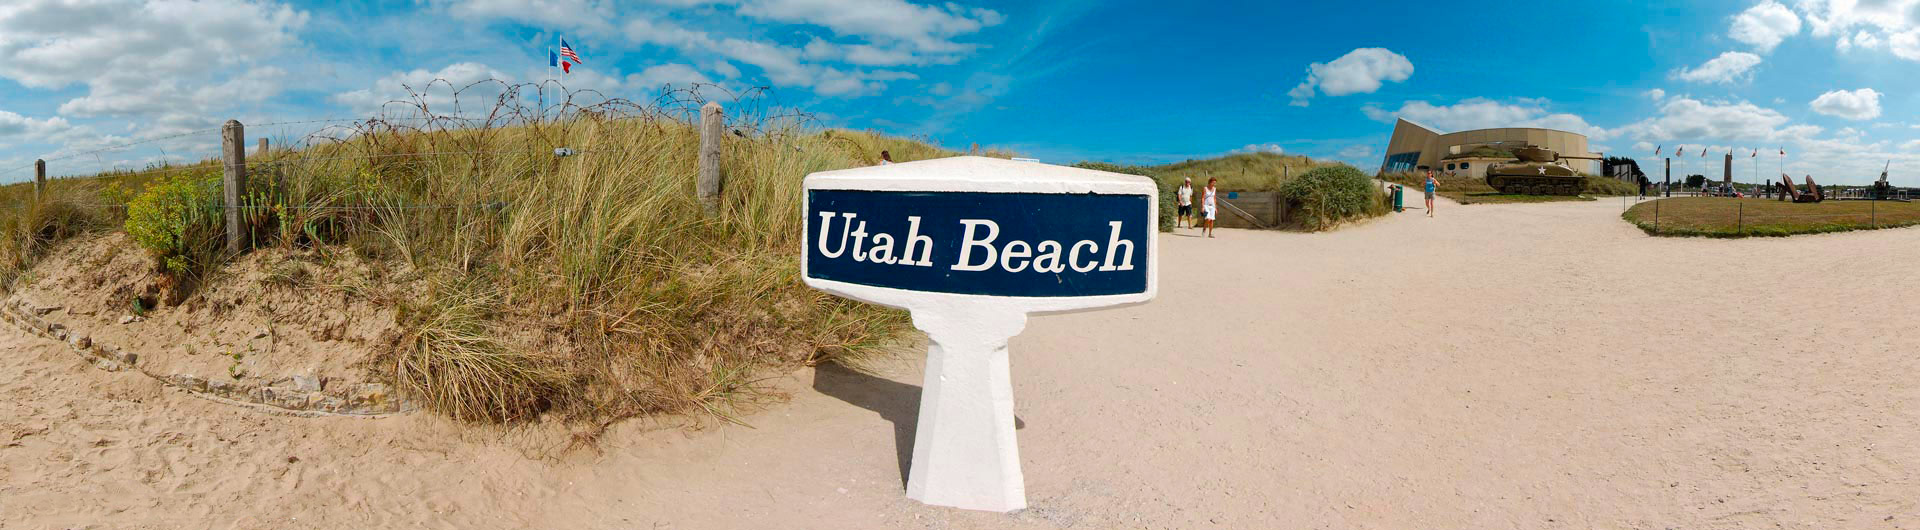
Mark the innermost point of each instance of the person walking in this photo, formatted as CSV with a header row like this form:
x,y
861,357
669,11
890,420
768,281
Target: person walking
x,y
1207,205
1185,198
1431,184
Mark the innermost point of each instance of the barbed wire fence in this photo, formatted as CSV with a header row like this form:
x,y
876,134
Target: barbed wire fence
x,y
470,114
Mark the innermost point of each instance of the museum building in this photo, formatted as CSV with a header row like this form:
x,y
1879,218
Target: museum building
x,y
1417,148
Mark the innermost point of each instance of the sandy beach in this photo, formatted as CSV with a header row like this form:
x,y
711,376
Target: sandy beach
x,y
1498,366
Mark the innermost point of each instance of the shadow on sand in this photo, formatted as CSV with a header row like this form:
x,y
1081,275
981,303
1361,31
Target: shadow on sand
x,y
895,402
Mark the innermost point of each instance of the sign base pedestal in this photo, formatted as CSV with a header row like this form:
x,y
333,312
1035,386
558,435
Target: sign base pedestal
x,y
965,452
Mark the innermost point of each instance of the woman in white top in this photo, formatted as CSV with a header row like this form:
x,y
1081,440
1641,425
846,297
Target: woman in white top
x,y
1207,208
1184,197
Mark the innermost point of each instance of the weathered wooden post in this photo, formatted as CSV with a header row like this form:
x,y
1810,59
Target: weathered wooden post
x,y
39,180
262,151
233,146
712,132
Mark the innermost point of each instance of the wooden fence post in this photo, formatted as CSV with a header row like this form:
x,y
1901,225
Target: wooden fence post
x,y
262,151
39,180
712,131
233,146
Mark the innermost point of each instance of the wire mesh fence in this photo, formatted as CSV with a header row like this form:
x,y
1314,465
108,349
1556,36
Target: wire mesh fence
x,y
1743,217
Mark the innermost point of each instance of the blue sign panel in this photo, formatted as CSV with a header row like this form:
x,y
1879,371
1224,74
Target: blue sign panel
x,y
997,244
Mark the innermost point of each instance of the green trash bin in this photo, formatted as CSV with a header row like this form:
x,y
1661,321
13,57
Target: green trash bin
x,y
1399,198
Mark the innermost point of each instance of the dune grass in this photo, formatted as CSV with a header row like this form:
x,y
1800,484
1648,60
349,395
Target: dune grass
x,y
588,286
1241,172
1724,217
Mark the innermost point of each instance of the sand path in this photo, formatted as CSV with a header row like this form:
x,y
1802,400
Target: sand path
x,y
1500,366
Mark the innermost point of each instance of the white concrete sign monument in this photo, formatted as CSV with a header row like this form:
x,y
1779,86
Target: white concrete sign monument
x,y
971,245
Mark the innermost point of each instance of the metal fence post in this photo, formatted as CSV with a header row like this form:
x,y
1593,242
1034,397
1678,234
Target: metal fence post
x,y
1875,212
1656,217
39,180
1740,225
712,129
233,146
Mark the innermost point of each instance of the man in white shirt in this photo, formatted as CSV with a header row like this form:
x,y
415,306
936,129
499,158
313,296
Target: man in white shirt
x,y
1185,200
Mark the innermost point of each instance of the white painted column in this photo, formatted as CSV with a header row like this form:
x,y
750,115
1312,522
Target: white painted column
x,y
965,451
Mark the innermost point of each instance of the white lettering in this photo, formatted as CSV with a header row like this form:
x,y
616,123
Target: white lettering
x,y
826,226
882,251
1046,256
1015,250
1073,257
1114,243
968,242
859,239
915,240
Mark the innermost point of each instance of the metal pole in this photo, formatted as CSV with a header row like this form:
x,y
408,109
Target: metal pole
x,y
1656,217
1740,226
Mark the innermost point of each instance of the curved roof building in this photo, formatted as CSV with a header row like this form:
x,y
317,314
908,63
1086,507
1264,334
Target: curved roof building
x,y
1416,147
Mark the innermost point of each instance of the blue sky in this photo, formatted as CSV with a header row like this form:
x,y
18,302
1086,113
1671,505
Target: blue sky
x,y
1833,82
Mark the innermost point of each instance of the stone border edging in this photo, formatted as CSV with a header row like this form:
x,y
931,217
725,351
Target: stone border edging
x,y
364,400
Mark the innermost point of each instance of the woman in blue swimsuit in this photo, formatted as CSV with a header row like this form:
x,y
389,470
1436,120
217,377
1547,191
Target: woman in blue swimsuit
x,y
1430,185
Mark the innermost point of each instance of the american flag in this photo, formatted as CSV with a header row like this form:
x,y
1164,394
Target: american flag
x,y
567,51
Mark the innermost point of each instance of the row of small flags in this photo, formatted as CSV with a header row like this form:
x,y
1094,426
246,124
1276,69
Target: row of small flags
x,y
565,58
1703,152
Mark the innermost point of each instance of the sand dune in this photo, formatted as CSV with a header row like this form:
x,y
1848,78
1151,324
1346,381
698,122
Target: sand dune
x,y
1499,366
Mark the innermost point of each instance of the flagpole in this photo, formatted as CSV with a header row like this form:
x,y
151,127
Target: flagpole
x,y
543,84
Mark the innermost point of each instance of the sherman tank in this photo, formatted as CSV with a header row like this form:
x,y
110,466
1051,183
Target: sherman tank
x,y
1536,171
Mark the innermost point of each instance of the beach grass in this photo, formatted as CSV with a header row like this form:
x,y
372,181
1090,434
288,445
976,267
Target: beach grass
x,y
589,286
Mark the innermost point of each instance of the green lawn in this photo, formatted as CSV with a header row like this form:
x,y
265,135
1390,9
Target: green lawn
x,y
1728,217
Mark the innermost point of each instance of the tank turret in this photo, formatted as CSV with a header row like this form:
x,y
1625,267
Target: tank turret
x,y
1536,171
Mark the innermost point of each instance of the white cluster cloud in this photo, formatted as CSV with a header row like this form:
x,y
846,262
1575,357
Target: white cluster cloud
x,y
147,57
870,33
1764,25
657,76
445,91
1656,94
929,29
1261,148
1686,118
1360,71
15,128
1482,113
1728,68
590,16
1867,24
1857,105
784,66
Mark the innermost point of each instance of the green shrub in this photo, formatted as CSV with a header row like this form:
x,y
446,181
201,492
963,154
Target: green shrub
x,y
179,221
1326,196
1167,187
